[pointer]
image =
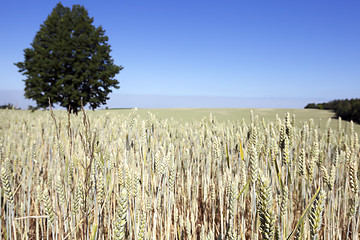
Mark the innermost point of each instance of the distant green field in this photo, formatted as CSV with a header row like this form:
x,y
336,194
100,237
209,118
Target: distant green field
x,y
320,117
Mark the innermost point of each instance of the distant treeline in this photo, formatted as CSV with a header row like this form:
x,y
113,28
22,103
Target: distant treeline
x,y
348,109
9,106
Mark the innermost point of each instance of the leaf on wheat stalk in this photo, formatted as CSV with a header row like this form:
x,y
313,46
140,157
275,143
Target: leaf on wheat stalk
x,y
304,214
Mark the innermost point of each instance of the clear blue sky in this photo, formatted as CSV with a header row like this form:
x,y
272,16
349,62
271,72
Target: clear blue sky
x,y
237,49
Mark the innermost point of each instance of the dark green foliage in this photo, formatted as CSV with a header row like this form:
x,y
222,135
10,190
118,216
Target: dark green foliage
x,y
9,106
32,108
348,109
69,61
312,105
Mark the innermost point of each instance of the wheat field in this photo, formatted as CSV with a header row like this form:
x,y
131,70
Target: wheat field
x,y
105,175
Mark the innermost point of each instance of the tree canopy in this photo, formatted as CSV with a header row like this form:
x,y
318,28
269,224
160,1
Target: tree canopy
x,y
69,61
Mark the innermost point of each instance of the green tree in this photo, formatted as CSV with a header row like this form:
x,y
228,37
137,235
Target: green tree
x,y
69,61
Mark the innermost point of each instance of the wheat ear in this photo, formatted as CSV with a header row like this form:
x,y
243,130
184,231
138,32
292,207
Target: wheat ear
x,y
6,185
316,213
265,208
121,214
